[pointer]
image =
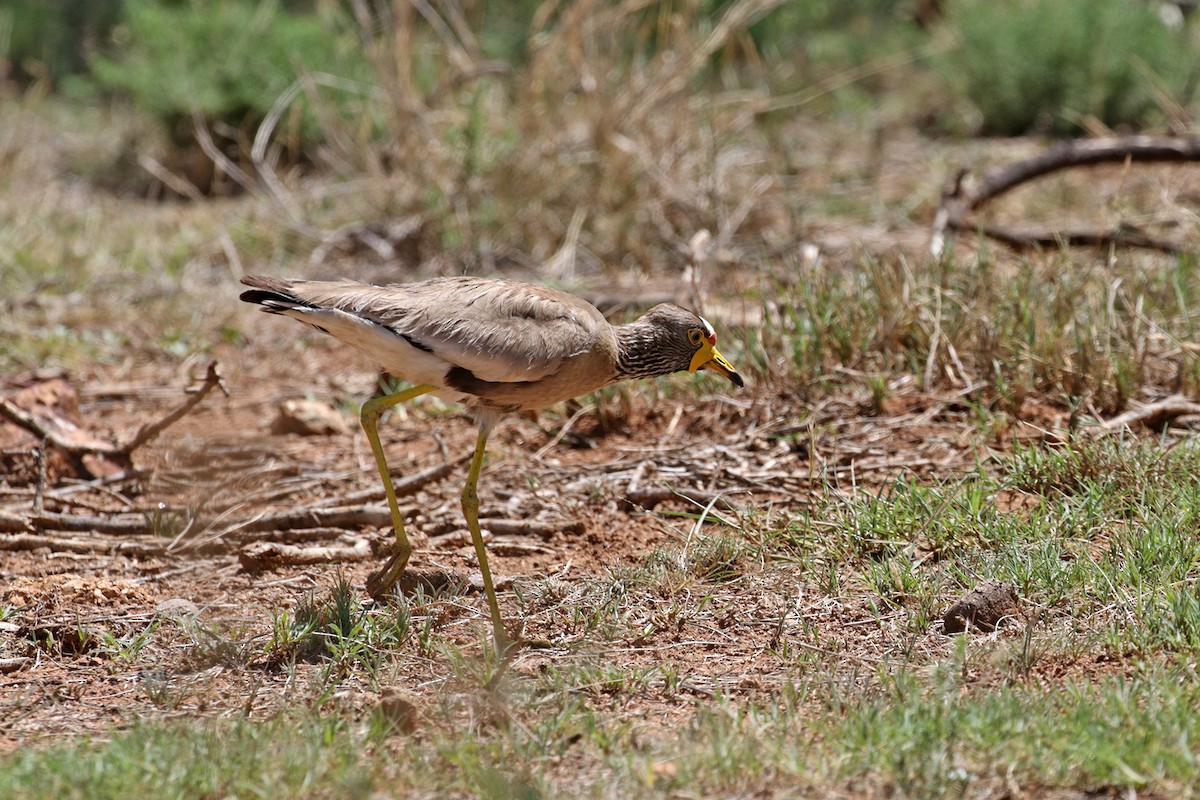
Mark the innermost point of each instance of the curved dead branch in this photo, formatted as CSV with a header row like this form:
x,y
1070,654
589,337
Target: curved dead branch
x,y
961,197
262,556
32,423
1154,415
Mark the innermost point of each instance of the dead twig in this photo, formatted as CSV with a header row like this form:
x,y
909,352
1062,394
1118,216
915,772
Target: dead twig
x,y
57,544
176,183
453,83
650,497
1030,240
346,514
960,199
30,422
302,535
530,527
8,665
406,485
222,161
376,516
563,429
119,525
610,302
11,523
258,154
1153,415
518,549
39,489
387,240
272,555
499,526
212,380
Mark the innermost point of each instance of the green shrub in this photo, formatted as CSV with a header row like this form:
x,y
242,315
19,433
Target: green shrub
x,y
52,38
228,61
838,34
1042,65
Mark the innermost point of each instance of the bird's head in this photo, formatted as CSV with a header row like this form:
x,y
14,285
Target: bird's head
x,y
681,341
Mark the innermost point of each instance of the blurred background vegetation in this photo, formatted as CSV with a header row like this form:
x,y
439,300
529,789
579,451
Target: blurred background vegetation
x,y
630,124
1022,65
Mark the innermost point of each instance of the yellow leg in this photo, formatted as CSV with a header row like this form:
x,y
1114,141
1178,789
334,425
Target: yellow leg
x,y
382,581
470,507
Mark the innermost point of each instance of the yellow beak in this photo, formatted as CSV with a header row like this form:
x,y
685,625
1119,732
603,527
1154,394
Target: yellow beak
x,y
709,357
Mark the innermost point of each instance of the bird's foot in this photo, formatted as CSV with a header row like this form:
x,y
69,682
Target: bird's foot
x,y
507,648
381,582
507,645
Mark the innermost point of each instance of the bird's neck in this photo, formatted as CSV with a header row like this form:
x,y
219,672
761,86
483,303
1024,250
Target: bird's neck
x,y
640,346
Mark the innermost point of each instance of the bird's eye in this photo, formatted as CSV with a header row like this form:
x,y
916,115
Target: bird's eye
x,y
695,336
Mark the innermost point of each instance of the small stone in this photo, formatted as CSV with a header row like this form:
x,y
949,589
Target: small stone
x,y
308,418
983,608
400,709
16,664
177,608
664,771
433,581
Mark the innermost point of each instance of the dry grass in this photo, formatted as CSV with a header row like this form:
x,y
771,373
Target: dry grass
x,y
908,433
608,123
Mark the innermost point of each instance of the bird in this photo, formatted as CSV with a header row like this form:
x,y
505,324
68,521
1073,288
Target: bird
x,y
494,345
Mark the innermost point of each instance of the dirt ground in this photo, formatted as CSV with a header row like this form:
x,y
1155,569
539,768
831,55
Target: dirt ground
x,y
172,616
166,608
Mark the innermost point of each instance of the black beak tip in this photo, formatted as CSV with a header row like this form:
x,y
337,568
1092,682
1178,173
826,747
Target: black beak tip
x,y
737,380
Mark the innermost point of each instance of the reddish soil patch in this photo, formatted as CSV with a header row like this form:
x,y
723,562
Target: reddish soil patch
x,y
166,620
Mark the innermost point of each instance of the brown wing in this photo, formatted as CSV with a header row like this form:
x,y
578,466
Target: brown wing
x,y
500,331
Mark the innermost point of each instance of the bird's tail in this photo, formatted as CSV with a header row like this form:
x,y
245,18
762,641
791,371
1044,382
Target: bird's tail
x,y
273,294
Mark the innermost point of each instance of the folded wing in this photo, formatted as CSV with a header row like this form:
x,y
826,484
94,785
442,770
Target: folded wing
x,y
499,331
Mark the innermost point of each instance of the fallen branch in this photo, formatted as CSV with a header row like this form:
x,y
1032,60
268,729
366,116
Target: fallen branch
x,y
222,161
272,555
448,86
530,527
376,516
31,541
342,516
650,497
8,665
11,523
1030,240
301,535
212,380
518,549
118,525
387,240
407,485
30,422
177,184
612,302
498,526
959,199
1154,415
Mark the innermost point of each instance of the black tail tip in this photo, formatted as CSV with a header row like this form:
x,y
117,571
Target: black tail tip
x,y
260,296
266,289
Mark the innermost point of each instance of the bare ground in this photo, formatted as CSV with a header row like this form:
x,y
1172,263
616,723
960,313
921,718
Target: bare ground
x,y
207,611
71,660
